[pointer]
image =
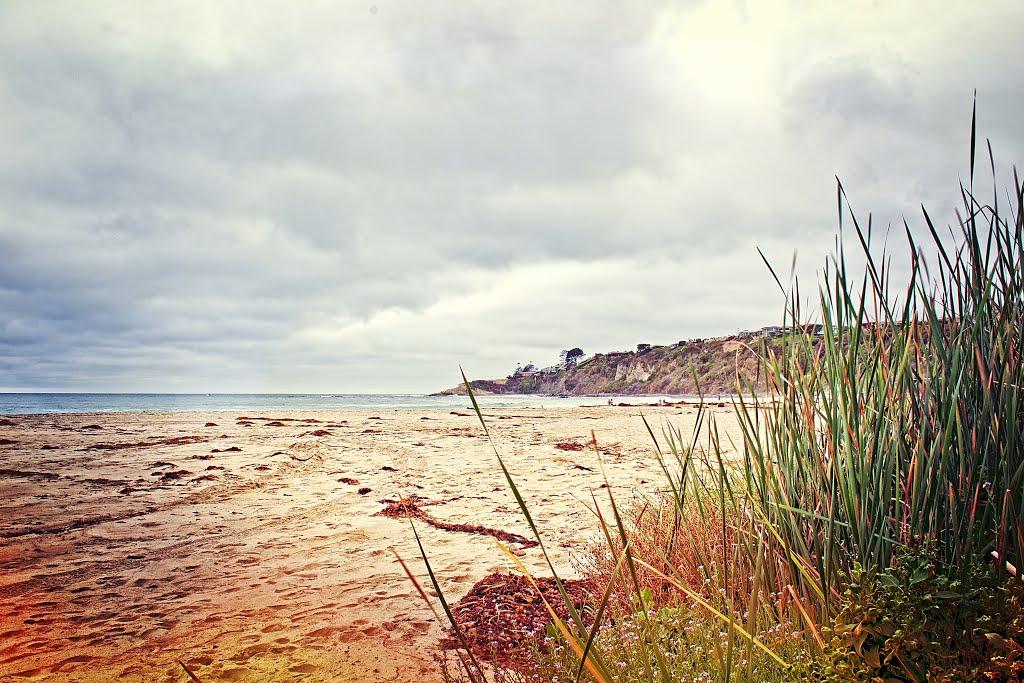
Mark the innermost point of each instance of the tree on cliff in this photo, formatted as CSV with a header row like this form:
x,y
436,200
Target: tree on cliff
x,y
570,356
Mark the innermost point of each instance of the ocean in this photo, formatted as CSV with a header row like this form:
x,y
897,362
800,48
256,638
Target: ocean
x,y
28,403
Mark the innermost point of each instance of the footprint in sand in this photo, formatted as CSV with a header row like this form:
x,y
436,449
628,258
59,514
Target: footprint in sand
x,y
304,668
233,674
350,636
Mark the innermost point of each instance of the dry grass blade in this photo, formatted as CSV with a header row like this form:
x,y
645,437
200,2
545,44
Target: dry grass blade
x,y
188,672
593,667
524,508
475,672
731,623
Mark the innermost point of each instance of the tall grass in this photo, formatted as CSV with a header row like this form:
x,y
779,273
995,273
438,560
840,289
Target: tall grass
x,y
891,428
902,423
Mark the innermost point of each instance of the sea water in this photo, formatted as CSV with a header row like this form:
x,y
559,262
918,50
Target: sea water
x,y
28,403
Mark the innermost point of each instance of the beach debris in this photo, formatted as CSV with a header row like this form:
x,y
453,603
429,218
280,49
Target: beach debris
x,y
504,618
48,447
317,432
578,466
364,490
612,449
569,446
28,474
94,427
174,441
387,468
7,442
102,481
174,475
274,423
371,431
413,507
348,480
229,449
4,422
457,413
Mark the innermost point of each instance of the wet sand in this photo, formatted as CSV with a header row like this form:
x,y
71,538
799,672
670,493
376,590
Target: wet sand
x,y
250,549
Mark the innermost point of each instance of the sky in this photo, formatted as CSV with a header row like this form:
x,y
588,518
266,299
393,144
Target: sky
x,y
361,196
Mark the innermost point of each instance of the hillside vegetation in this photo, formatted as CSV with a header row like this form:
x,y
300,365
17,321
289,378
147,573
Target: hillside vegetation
x,y
709,366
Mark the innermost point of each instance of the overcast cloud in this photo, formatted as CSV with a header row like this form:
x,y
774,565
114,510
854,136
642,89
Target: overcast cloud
x,y
349,197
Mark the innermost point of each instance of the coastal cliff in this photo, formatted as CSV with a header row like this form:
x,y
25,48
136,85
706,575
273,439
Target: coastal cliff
x,y
710,366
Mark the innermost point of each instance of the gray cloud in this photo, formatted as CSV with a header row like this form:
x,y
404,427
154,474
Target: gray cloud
x,y
198,197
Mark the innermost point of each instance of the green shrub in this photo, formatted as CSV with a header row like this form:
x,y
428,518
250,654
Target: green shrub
x,y
529,384
922,622
691,648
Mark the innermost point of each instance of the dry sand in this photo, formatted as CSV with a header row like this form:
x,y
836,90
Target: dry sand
x,y
267,563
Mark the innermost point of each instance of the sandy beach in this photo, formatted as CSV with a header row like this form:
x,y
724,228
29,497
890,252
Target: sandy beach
x,y
249,547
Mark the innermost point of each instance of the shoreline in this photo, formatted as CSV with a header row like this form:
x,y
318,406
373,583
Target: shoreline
x,y
41,404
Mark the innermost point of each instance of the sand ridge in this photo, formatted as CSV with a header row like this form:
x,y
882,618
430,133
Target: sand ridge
x,y
250,545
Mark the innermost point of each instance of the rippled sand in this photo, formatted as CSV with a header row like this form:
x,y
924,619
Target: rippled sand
x,y
131,541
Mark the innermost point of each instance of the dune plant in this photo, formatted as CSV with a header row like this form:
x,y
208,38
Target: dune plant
x,y
896,420
882,470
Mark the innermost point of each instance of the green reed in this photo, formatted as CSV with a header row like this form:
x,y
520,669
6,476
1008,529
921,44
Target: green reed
x,y
891,422
898,422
